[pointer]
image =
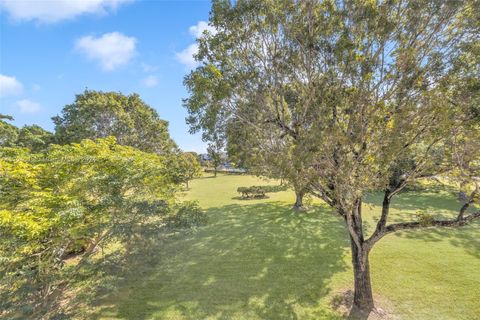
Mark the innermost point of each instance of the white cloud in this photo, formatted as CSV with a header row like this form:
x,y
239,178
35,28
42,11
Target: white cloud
x,y
111,50
9,86
148,68
28,106
150,81
50,11
186,56
198,29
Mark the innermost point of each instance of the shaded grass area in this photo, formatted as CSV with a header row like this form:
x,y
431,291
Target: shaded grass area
x,y
251,262
261,260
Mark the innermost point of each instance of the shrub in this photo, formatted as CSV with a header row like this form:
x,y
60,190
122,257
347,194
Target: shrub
x,y
258,191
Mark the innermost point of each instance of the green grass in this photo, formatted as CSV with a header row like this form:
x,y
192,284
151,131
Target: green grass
x,y
258,259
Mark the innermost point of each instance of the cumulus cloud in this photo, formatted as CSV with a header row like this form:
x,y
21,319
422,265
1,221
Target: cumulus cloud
x,y
50,11
9,86
110,50
186,56
198,29
28,106
148,68
150,81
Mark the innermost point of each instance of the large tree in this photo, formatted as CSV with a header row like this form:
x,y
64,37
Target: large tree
x,y
8,132
96,114
379,102
32,137
71,199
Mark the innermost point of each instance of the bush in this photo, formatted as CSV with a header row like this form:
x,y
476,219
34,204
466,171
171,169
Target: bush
x,y
259,191
186,215
252,192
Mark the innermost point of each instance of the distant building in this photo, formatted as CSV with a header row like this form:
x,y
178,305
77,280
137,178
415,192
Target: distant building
x,y
225,166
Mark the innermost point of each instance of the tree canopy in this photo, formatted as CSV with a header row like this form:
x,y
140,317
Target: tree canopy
x,y
68,199
8,132
185,166
32,137
72,199
367,91
97,114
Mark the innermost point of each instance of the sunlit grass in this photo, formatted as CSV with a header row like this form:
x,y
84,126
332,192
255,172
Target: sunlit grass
x,y
259,259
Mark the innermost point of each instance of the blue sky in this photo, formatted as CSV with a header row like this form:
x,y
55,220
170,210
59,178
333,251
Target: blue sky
x,y
51,50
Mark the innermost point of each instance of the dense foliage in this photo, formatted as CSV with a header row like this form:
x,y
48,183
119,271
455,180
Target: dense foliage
x,y
71,199
32,137
97,114
258,191
185,166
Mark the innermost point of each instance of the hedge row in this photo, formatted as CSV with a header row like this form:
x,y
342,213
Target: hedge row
x,y
258,191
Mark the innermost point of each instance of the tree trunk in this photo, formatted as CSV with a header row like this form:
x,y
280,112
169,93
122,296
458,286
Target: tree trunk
x,y
362,295
186,184
362,298
215,172
299,200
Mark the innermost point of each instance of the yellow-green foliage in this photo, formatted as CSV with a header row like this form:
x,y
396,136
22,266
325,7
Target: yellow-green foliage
x,y
80,193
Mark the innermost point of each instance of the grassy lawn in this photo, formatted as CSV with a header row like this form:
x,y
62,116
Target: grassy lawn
x,y
258,259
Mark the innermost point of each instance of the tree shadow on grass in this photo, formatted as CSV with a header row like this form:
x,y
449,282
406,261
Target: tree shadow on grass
x,y
442,204
436,202
253,261
464,237
206,177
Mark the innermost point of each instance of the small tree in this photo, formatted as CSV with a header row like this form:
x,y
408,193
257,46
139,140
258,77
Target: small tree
x,y
188,167
276,159
214,151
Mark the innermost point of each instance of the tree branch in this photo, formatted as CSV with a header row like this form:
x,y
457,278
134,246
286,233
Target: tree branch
x,y
435,223
418,225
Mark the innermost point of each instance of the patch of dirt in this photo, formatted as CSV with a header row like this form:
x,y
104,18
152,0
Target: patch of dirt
x,y
342,303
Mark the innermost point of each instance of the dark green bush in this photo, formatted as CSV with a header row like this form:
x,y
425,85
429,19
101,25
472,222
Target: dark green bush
x,y
259,191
